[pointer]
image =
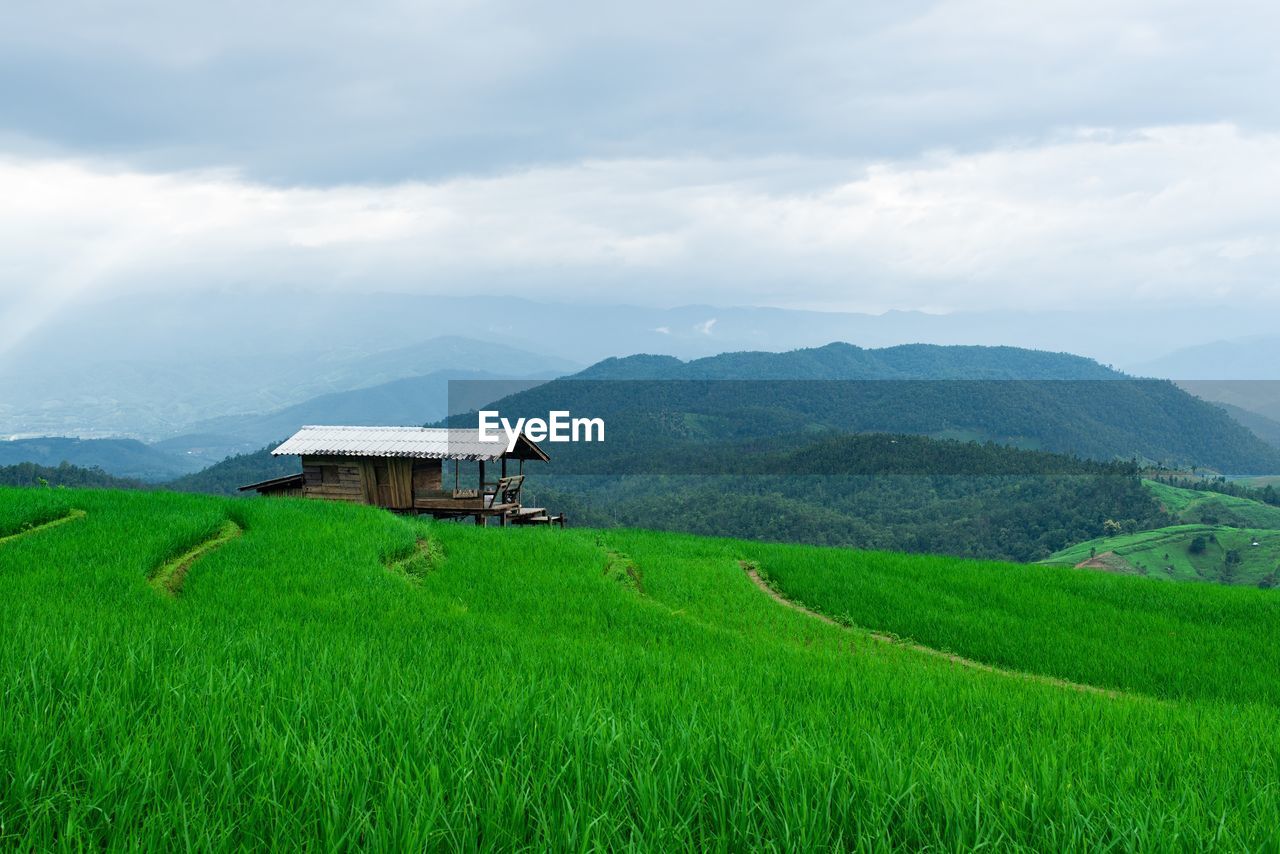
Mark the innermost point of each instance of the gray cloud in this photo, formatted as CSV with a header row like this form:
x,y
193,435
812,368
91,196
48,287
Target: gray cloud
x,y
382,91
863,156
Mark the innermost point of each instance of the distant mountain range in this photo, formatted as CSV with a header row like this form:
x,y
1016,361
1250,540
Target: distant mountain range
x,y
1254,357
176,393
1048,401
126,458
839,361
209,325
1027,398
149,367
1242,373
408,402
405,402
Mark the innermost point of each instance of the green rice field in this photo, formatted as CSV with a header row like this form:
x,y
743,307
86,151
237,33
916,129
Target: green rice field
x,y
190,672
1199,506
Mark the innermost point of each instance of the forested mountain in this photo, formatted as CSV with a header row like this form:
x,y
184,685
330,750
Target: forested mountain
x,y
902,493
839,361
1047,401
222,478
1266,429
226,477
64,474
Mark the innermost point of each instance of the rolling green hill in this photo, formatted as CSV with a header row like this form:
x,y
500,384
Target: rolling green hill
x,y
1212,508
1221,538
1218,553
191,671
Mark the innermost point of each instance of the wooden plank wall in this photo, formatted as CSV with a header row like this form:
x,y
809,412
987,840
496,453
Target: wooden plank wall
x,y
369,479
334,478
357,479
428,479
400,478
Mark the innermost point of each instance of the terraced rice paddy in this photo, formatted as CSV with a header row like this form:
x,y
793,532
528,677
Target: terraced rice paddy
x,y
334,676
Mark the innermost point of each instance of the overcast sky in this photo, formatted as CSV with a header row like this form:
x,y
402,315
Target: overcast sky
x,y
841,155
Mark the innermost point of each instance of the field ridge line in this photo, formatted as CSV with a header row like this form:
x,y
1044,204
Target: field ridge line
x,y
621,568
424,548
753,573
72,515
168,578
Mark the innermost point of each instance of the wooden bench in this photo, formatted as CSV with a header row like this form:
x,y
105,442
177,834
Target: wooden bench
x,y
505,491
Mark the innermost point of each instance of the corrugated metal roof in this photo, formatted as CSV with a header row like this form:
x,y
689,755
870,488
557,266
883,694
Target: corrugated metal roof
x,y
283,480
425,443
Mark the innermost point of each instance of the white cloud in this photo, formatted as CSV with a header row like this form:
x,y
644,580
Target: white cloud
x,y
1097,217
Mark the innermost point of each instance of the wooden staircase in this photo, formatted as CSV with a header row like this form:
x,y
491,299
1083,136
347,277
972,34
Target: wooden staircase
x,y
534,516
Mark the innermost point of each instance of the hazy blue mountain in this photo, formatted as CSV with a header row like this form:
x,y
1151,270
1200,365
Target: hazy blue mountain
x,y
211,325
1260,397
448,354
156,397
125,458
1247,358
206,448
149,367
404,402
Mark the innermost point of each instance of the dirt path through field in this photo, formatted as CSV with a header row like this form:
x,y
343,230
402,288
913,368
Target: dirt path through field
x,y
773,594
71,516
169,577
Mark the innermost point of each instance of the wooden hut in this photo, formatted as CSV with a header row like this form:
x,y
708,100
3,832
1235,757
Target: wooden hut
x,y
407,469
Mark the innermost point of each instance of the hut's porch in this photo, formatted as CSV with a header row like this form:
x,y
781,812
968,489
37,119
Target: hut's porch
x,y
498,500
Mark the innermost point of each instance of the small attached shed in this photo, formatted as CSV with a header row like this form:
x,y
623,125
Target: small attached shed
x,y
406,469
